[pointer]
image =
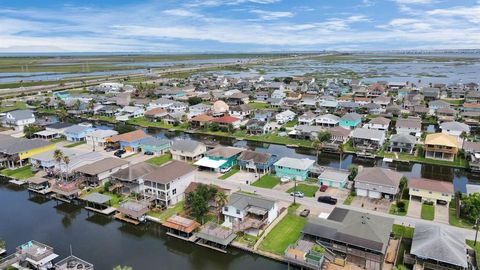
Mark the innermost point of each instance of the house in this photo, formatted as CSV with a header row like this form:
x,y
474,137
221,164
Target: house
x,y
219,108
455,128
198,109
293,168
441,146
187,150
378,123
361,237
307,118
427,190
130,179
78,132
129,141
285,117
220,159
409,126
255,127
177,107
350,120
327,120
166,184
240,111
97,173
377,183
437,247
261,96
155,145
257,162
123,99
471,107
18,119
367,139
201,120
226,121
249,213
375,90
58,128
154,114
339,134
17,151
162,103
333,178
438,104
403,143
99,137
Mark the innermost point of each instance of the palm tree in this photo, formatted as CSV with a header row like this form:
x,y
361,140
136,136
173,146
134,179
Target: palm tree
x,y
62,114
318,145
66,160
58,156
221,199
119,267
91,105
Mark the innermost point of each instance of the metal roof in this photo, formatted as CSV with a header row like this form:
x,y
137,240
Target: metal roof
x,y
98,198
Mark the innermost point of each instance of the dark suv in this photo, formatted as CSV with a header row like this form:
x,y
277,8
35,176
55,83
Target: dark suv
x,y
327,199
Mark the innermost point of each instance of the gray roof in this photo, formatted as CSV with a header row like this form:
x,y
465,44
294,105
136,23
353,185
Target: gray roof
x,y
257,157
21,114
98,198
353,228
457,126
185,145
335,175
403,138
154,141
440,244
295,163
10,145
409,123
101,166
225,151
169,172
243,201
134,171
380,121
365,133
76,129
380,176
351,117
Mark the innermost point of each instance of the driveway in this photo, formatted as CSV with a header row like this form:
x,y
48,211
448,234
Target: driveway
x,y
377,205
243,177
414,209
441,213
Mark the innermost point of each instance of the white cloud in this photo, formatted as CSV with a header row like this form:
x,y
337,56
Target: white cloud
x,y
413,2
271,15
182,13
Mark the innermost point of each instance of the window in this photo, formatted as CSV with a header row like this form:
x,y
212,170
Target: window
x,y
225,208
174,191
238,212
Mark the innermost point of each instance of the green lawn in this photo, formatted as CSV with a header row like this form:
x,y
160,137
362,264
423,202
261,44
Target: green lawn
x,y
458,162
471,243
18,105
75,144
258,105
160,160
57,140
144,122
349,199
114,202
395,211
457,102
402,231
21,173
291,124
267,181
232,171
308,190
428,211
285,233
458,222
164,215
348,146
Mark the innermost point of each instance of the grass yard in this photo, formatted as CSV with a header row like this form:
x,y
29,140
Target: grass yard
x,y
394,210
349,199
17,105
258,105
458,162
428,211
75,144
291,124
114,202
285,233
471,243
22,173
232,171
402,231
308,190
267,181
164,215
57,140
458,222
160,160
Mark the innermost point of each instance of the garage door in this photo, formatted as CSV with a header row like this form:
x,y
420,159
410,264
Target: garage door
x,y
362,192
374,194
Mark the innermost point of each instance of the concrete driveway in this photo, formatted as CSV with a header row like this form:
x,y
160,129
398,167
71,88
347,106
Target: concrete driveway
x,y
441,213
243,177
414,209
378,205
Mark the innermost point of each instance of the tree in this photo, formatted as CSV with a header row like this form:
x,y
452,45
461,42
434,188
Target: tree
x,y
317,144
221,199
31,129
471,206
91,104
119,267
197,201
62,114
324,136
403,186
194,101
58,156
214,126
66,160
77,105
353,169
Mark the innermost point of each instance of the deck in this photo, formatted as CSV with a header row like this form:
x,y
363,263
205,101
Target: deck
x,y
17,182
107,211
122,217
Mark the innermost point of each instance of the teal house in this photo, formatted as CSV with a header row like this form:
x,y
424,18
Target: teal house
x,y
350,120
155,145
293,168
61,95
334,178
220,159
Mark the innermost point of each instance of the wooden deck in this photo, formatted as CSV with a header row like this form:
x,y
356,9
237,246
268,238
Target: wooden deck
x,y
121,217
107,211
192,238
17,182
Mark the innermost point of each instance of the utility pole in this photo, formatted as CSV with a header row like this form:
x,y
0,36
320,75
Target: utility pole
x,y
476,232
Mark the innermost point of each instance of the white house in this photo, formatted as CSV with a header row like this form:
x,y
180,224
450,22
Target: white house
x,y
327,120
98,137
454,128
284,117
18,119
378,123
377,183
249,213
167,183
198,109
307,118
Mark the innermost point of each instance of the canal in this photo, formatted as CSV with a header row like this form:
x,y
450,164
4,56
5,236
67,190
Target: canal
x,y
106,242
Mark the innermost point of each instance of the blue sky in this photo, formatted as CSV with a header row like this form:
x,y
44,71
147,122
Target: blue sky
x,y
237,25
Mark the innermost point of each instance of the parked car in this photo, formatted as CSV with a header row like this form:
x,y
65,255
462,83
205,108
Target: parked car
x,y
149,153
327,199
305,213
119,153
108,149
224,170
323,188
297,194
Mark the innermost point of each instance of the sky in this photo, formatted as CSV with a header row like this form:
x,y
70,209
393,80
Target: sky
x,y
167,26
